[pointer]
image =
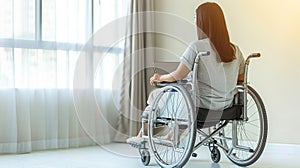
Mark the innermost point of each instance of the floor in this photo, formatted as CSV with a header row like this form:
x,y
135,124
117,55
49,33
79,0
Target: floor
x,y
122,155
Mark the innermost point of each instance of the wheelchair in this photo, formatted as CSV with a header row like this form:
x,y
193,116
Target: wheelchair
x,y
174,128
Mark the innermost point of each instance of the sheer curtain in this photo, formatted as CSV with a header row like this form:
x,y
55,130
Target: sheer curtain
x,y
40,44
139,56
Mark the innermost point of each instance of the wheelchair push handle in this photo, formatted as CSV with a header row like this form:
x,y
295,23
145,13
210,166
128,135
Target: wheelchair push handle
x,y
253,55
200,54
206,53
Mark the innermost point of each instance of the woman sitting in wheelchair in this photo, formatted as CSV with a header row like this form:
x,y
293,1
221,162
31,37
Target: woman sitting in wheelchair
x,y
218,73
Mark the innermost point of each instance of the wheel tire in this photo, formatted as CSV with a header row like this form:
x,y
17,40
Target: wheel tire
x,y
215,155
145,157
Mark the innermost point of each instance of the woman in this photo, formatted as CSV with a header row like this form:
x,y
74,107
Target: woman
x,y
219,72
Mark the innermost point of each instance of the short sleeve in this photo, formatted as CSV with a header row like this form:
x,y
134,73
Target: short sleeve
x,y
188,57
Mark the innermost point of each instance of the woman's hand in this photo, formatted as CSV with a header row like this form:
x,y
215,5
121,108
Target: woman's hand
x,y
155,78
180,73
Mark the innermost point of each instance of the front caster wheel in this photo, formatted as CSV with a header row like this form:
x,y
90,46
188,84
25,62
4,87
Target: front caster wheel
x,y
145,157
215,155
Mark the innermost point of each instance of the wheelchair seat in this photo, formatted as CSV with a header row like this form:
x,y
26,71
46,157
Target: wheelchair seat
x,y
207,118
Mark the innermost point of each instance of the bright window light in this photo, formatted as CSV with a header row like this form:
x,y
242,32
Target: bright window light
x,y
40,40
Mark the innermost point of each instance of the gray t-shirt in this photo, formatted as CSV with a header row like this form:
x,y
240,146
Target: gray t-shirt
x,y
216,80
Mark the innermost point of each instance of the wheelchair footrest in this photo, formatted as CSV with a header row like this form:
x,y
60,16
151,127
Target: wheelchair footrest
x,y
138,146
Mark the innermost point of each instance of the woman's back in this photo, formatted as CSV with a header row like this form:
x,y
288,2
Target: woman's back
x,y
216,80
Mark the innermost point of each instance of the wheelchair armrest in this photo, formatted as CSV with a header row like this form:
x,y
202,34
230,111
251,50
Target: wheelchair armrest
x,y
162,84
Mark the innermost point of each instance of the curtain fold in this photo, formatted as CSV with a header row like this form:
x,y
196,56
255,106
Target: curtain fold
x,y
38,119
134,77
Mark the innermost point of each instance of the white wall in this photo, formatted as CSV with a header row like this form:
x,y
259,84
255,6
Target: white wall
x,y
271,27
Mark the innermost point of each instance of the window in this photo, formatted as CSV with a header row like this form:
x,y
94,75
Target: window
x,y
20,24
40,40
65,21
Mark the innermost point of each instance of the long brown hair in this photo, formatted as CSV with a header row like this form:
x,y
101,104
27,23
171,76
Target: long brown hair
x,y
211,24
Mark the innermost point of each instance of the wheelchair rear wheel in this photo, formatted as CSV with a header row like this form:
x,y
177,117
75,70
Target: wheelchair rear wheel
x,y
173,114
251,135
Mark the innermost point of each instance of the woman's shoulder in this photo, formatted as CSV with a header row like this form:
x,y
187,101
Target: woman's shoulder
x,y
199,45
199,42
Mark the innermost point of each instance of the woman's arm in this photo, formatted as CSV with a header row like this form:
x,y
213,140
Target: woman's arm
x,y
180,73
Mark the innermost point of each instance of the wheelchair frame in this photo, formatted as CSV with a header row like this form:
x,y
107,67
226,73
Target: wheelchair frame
x,y
216,138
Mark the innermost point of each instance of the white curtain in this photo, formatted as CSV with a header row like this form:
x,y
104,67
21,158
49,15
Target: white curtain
x,y
41,43
37,109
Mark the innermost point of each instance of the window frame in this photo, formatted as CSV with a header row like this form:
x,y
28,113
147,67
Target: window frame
x,y
39,43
